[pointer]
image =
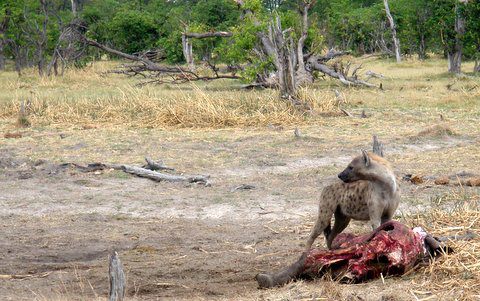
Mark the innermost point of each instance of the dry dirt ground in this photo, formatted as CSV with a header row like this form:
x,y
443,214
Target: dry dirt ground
x,y
182,241
186,241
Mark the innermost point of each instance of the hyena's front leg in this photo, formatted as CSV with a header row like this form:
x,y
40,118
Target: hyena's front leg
x,y
322,225
341,222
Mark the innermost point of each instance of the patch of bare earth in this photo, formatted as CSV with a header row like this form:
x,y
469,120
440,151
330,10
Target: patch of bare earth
x,y
187,241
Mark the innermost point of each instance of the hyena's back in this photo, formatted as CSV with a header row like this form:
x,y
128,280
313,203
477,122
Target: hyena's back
x,y
350,198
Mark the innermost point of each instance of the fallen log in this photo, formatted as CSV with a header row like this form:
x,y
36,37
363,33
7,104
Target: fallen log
x,y
157,176
148,171
92,167
176,74
260,85
371,74
24,276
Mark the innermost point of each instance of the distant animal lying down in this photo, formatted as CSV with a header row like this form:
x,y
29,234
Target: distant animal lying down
x,y
391,249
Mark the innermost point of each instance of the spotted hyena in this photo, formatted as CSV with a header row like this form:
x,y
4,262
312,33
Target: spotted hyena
x,y
368,191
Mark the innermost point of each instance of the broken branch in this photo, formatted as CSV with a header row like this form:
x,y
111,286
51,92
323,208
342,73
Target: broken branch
x,y
195,35
152,165
157,176
315,64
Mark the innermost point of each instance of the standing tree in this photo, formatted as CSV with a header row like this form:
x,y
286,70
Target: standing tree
x,y
396,41
454,52
286,52
268,47
448,18
472,35
35,32
74,8
4,23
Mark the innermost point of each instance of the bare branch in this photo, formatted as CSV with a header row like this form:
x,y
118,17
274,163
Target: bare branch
x,y
338,74
207,34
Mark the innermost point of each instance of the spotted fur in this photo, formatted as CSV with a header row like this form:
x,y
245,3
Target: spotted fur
x,y
368,190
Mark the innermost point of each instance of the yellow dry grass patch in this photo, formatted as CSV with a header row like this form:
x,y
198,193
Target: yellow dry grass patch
x,y
90,95
435,131
140,107
453,276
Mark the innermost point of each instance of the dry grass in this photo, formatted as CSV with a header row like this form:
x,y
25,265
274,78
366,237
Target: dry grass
x,y
453,276
93,110
91,96
137,107
84,96
435,131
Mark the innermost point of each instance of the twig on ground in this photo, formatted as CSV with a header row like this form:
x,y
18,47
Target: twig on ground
x,y
346,113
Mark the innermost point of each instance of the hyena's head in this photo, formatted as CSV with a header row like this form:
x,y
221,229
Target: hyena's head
x,y
367,166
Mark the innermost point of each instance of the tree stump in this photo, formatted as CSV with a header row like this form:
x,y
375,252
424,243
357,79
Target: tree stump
x,y
117,278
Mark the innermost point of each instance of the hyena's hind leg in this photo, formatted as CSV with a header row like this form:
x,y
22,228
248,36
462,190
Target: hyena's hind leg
x,y
375,214
341,222
322,225
388,215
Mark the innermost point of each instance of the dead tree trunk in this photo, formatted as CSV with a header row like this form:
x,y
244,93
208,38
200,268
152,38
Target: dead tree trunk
x,y
288,56
396,41
187,51
74,8
187,45
70,46
290,62
281,49
455,53
422,48
476,68
303,76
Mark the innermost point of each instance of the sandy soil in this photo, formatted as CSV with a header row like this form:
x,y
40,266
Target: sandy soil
x,y
176,240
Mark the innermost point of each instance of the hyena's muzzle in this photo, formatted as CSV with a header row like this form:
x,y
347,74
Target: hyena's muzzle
x,y
346,175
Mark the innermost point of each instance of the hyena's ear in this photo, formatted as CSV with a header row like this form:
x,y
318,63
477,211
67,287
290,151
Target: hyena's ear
x,y
366,158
